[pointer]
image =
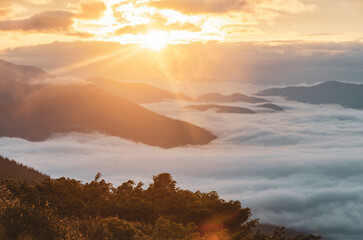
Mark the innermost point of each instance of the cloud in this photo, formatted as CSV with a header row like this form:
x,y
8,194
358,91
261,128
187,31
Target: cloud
x,y
54,21
145,28
200,20
312,183
200,6
12,11
39,2
158,22
5,12
223,6
49,21
92,10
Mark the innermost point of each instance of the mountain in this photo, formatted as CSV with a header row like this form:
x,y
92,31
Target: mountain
x,y
16,81
136,92
271,106
11,170
221,108
37,111
20,73
236,97
93,110
345,94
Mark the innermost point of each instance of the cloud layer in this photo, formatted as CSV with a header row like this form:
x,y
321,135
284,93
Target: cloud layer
x,y
301,168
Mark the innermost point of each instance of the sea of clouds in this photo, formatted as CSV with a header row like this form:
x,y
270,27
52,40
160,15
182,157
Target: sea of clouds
x,y
302,168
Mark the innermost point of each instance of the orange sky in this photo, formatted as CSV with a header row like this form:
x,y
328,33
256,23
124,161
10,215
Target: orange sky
x,y
153,23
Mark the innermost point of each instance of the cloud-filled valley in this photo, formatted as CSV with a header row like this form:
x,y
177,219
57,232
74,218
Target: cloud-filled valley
x,y
301,168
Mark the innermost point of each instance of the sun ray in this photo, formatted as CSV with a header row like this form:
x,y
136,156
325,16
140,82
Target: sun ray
x,y
87,62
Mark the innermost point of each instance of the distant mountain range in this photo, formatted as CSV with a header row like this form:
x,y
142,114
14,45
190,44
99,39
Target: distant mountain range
x,y
137,92
236,97
348,95
36,112
221,108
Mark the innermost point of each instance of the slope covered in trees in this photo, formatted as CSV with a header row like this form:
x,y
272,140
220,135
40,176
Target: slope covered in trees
x,y
68,209
9,169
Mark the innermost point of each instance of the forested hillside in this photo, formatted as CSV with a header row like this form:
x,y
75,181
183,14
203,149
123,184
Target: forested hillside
x,y
69,209
9,169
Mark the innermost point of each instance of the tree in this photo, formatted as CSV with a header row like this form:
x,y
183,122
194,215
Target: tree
x,y
163,181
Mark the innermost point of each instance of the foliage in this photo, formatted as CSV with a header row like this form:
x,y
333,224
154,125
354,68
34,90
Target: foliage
x,y
68,209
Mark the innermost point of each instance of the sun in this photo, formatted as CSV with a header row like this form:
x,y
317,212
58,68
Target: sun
x,y
156,40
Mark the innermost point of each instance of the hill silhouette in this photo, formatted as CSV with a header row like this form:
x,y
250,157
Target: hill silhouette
x,y
271,106
345,94
221,108
236,97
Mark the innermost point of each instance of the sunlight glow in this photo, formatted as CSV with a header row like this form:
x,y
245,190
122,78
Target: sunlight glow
x,y
156,40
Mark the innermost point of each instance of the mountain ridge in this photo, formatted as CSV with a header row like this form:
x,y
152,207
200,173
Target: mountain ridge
x,y
36,112
348,95
93,111
221,108
235,97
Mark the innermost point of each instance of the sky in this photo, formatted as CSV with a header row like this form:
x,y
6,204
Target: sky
x,y
154,23
266,42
